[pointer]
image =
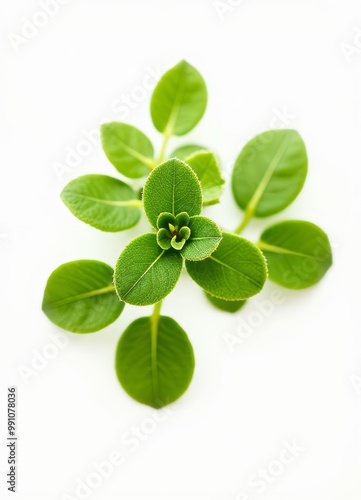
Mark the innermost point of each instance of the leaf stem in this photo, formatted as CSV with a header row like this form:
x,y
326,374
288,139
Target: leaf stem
x,y
149,162
154,321
246,219
156,312
167,135
133,203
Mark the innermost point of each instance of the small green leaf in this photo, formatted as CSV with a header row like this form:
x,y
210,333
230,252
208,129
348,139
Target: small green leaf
x,y
163,239
235,271
128,149
80,297
154,361
184,151
146,273
185,232
270,172
171,187
169,221
179,100
206,166
165,220
298,253
204,238
103,202
177,244
182,219
231,306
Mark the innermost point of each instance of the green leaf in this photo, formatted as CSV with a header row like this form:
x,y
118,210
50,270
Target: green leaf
x,y
206,166
231,306
128,149
235,271
80,297
163,240
179,100
103,202
184,151
204,238
169,221
298,253
145,273
270,172
154,361
172,187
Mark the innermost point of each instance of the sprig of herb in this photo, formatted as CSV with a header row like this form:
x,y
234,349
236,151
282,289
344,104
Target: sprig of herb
x,y
154,358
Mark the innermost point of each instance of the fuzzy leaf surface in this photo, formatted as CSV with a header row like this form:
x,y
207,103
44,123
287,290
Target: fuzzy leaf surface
x,y
145,273
205,237
172,187
235,271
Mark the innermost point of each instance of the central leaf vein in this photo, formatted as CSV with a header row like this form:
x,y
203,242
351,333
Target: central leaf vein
x,y
249,278
80,296
145,272
116,203
275,249
272,167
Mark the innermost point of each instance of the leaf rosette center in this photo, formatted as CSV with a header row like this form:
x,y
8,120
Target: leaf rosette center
x,y
173,231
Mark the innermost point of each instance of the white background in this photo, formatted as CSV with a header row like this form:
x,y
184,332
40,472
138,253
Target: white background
x,y
295,377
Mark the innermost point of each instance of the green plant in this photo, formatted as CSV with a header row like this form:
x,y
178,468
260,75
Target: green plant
x,y
154,358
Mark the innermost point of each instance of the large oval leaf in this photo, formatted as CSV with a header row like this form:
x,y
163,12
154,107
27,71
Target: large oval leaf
x,y
145,273
205,165
103,202
127,148
298,253
235,271
184,151
179,100
80,297
270,172
154,361
172,187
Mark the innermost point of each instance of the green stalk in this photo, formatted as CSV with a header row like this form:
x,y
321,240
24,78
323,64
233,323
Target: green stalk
x,y
246,219
166,137
154,321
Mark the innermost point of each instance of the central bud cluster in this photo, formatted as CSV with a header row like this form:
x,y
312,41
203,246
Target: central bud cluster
x,y
173,231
